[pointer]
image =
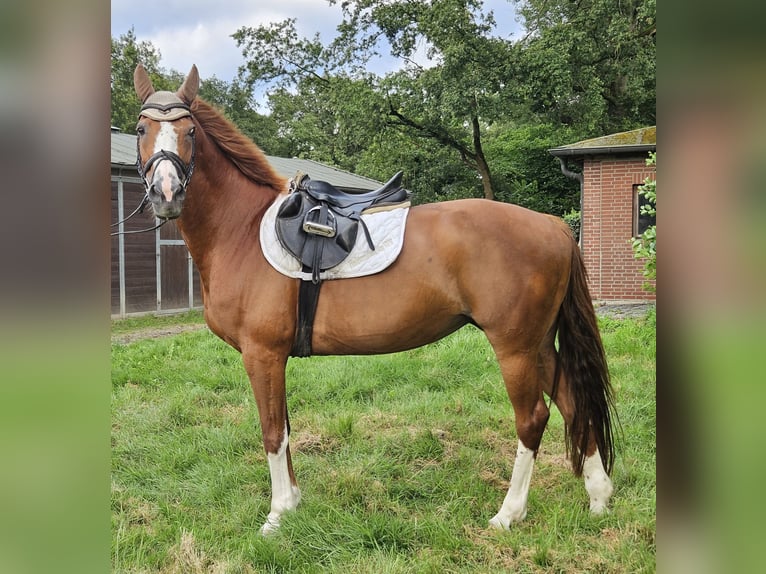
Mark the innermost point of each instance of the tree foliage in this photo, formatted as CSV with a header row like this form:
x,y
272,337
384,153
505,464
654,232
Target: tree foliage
x,y
590,63
450,102
127,53
492,104
523,168
236,102
645,246
332,121
455,99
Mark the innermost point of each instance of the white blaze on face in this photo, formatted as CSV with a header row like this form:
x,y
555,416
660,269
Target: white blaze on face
x,y
165,177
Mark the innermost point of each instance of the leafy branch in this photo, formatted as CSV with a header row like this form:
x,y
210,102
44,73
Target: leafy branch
x,y
645,246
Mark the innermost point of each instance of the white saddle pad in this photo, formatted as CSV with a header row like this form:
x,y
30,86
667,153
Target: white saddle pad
x,y
386,230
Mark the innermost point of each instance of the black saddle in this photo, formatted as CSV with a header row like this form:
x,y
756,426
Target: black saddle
x,y
318,225
391,193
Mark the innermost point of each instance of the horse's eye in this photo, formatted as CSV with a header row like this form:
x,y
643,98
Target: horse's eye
x,y
191,131
140,130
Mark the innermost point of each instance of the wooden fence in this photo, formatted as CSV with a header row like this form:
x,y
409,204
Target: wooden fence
x,y
150,272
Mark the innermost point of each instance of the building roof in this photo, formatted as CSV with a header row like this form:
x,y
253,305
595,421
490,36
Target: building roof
x,y
288,167
641,140
123,148
124,154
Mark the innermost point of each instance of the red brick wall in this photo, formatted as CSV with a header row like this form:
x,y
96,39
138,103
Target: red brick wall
x,y
607,227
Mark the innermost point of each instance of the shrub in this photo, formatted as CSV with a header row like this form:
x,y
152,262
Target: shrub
x,y
645,246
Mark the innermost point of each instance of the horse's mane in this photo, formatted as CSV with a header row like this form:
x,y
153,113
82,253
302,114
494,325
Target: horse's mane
x,y
243,153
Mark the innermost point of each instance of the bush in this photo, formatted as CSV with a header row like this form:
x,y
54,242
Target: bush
x,y
572,219
645,246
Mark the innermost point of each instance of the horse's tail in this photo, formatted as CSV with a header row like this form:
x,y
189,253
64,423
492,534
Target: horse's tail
x,y
582,359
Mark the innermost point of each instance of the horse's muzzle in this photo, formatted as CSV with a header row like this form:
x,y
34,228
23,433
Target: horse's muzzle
x,y
164,208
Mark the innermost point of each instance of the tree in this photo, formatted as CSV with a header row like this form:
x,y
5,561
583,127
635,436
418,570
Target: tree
x,y
431,170
493,105
450,102
236,102
590,64
454,101
332,120
127,53
523,168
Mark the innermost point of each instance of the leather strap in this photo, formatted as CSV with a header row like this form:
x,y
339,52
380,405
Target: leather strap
x,y
308,297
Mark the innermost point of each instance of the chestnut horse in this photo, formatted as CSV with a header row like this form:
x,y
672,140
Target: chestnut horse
x,y
515,274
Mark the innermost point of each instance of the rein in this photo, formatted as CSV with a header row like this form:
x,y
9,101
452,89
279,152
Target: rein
x,y
160,224
139,209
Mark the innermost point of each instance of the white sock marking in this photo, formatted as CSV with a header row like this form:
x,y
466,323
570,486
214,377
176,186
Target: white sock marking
x,y
514,507
597,483
284,496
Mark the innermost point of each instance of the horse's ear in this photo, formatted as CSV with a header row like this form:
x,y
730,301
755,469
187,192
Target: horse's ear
x,y
142,83
188,90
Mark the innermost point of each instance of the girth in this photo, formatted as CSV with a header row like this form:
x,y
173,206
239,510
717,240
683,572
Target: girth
x,y
318,224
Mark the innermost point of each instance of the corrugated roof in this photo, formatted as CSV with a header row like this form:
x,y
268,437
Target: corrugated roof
x,y
288,167
124,153
640,140
123,149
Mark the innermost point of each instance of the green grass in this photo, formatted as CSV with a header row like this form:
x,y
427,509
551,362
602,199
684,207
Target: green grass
x,y
401,459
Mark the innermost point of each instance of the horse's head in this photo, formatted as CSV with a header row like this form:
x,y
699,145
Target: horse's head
x,y
165,141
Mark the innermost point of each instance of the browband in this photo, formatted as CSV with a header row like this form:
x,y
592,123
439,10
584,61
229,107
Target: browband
x,y
166,107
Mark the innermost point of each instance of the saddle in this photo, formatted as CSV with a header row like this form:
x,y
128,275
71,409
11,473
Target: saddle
x,y
318,225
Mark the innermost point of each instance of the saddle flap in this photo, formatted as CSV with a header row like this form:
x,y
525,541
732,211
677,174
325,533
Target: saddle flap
x,y
318,223
297,213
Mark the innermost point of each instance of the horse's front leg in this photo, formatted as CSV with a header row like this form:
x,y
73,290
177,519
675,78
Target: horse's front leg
x,y
267,378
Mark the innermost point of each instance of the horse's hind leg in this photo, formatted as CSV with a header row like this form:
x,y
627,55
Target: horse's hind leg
x,y
597,481
520,374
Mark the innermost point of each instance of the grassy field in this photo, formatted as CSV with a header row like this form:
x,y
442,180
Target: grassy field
x,y
402,460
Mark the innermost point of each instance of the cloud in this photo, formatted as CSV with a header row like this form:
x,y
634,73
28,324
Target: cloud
x,y
199,32
208,45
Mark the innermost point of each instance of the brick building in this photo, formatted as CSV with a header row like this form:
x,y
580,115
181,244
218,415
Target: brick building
x,y
611,170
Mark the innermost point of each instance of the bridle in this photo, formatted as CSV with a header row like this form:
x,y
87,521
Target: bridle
x,y
183,170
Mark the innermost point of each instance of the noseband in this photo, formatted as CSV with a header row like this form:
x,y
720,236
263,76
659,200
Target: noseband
x,y
183,169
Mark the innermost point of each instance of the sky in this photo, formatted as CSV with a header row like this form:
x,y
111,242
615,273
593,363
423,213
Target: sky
x,y
199,31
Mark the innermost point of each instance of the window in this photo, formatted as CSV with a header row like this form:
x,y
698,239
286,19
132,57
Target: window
x,y
641,221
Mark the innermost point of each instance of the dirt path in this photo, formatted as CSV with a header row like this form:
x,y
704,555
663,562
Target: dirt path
x,y
154,332
623,310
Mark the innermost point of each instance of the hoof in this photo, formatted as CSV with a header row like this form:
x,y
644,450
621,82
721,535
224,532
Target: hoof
x,y
503,519
271,526
498,524
599,509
